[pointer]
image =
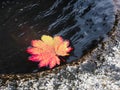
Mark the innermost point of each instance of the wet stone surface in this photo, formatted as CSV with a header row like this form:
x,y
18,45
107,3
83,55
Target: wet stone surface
x,y
103,75
84,22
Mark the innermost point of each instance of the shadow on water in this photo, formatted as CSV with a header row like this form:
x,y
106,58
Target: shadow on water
x,y
84,22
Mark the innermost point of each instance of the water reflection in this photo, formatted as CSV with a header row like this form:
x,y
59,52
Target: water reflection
x,y
83,22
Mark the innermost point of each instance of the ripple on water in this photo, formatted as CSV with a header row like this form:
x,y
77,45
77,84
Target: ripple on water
x,y
84,22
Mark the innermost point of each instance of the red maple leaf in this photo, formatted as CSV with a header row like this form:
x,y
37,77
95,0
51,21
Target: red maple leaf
x,y
47,50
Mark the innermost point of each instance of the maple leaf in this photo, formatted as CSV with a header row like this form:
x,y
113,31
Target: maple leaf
x,y
47,50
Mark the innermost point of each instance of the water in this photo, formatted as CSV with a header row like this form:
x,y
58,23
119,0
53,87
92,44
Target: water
x,y
84,22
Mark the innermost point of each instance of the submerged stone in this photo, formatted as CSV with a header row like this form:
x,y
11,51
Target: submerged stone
x,y
85,23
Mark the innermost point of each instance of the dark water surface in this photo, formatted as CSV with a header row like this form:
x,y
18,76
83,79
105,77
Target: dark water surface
x,y
84,22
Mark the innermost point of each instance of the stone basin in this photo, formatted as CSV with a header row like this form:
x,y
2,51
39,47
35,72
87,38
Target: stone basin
x,y
84,23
